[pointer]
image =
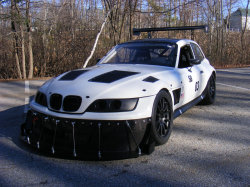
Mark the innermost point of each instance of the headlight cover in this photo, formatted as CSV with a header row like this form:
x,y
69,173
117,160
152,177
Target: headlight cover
x,y
113,105
40,98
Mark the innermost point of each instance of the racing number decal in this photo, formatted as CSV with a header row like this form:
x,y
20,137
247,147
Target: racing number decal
x,y
197,86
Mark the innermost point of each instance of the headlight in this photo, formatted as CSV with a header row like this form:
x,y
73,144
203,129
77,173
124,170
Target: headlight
x,y
40,98
113,105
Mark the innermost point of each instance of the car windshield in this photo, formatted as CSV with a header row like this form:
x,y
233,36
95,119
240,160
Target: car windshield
x,y
142,53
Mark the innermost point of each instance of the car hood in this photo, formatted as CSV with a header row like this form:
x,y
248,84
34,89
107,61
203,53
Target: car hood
x,y
110,81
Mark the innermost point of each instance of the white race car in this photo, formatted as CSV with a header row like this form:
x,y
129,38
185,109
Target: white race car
x,y
125,104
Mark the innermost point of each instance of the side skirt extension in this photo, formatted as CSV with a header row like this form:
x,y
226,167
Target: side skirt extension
x,y
187,106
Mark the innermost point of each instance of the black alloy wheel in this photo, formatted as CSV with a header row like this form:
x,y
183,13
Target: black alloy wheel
x,y
162,118
212,87
210,91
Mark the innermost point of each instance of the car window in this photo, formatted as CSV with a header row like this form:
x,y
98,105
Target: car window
x,y
124,55
197,51
185,56
143,53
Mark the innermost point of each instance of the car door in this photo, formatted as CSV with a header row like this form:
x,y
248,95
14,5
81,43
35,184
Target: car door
x,y
199,57
190,75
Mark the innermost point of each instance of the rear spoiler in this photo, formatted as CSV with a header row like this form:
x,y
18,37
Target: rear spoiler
x,y
137,32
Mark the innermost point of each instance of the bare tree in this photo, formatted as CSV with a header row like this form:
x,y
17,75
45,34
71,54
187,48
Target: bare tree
x,y
243,41
97,37
61,34
28,25
15,36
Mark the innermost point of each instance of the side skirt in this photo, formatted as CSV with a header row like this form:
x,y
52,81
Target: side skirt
x,y
187,106
184,108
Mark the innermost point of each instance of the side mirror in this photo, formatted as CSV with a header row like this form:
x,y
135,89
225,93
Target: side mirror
x,y
194,61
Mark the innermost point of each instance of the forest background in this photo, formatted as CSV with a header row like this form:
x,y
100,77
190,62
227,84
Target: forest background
x,y
44,38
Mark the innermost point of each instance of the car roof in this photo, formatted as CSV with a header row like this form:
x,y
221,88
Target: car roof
x,y
168,40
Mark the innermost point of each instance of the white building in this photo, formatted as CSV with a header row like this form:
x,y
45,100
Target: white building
x,y
238,19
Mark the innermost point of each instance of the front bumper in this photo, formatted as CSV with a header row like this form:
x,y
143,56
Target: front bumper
x,y
143,110
95,139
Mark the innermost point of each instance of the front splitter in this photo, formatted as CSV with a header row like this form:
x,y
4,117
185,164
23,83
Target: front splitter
x,y
92,139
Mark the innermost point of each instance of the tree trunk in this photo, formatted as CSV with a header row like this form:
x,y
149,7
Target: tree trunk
x,y
45,43
31,61
22,42
23,52
15,37
28,18
243,40
97,38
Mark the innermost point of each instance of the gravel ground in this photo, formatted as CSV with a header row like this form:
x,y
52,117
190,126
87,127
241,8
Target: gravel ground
x,y
209,146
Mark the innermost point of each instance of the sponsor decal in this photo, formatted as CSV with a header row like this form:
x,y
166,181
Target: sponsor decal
x,y
190,78
197,85
182,92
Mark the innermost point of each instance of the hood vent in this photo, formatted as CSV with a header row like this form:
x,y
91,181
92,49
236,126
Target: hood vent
x,y
150,79
72,75
112,76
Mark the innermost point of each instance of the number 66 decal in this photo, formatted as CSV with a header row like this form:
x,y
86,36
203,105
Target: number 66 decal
x,y
197,86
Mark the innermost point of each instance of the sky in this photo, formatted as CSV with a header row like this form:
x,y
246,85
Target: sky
x,y
244,4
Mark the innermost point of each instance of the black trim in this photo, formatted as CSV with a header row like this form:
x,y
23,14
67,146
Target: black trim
x,y
41,99
112,139
177,94
187,106
113,105
112,76
150,79
56,101
72,103
138,31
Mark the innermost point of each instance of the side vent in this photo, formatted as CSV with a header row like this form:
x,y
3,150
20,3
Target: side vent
x,y
150,79
177,94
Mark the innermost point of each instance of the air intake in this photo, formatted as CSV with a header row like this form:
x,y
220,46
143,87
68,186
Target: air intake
x,y
72,103
150,79
56,101
72,75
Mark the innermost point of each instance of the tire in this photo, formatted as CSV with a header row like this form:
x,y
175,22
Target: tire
x,y
210,92
162,118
